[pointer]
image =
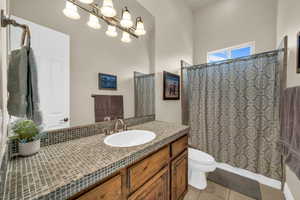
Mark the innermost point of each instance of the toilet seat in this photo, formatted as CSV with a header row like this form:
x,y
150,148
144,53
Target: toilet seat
x,y
201,157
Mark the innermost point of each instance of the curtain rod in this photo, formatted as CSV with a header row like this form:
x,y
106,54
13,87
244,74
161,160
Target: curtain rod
x,y
234,60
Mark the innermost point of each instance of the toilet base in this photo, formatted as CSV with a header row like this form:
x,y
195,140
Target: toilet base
x,y
197,179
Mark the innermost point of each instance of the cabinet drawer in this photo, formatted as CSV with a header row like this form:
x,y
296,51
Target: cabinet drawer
x,y
157,188
109,190
179,146
145,169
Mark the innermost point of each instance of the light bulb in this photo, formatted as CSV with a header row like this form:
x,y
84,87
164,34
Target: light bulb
x,y
111,31
126,37
86,1
107,9
126,21
140,29
93,22
71,11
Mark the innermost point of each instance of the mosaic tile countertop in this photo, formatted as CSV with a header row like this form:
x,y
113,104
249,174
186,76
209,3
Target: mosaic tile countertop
x,y
61,170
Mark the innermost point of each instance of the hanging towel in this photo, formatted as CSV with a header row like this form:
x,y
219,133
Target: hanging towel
x,y
33,109
290,128
108,107
22,85
17,83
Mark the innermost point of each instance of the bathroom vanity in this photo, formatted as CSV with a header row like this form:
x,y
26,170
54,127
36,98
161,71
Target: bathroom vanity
x,y
161,175
86,168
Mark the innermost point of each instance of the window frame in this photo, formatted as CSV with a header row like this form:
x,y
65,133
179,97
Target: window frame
x,y
229,49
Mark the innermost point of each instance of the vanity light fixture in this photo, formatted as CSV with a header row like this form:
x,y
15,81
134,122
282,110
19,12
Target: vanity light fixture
x,y
107,9
111,31
108,14
93,22
86,1
71,11
140,29
126,37
126,21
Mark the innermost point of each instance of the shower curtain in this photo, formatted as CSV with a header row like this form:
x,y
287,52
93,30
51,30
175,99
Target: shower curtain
x,y
234,112
144,91
184,93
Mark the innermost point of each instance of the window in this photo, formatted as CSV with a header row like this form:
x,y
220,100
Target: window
x,y
231,52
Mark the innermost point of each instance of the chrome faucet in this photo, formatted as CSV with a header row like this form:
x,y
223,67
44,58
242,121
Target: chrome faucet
x,y
116,128
124,126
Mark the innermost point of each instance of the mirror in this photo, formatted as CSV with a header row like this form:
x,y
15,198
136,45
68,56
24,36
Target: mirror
x,y
83,75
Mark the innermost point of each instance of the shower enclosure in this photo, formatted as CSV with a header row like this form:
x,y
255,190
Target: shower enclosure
x,y
144,91
233,110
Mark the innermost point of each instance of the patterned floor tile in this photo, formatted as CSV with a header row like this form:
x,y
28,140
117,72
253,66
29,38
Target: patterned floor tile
x,y
192,194
238,196
269,193
218,192
214,192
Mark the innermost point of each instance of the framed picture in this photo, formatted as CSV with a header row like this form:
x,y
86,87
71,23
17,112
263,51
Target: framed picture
x,y
171,86
107,82
298,52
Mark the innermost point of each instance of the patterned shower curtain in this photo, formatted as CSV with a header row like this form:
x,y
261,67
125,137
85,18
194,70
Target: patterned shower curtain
x,y
144,91
234,112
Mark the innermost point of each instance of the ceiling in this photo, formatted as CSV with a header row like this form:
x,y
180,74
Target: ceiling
x,y
196,4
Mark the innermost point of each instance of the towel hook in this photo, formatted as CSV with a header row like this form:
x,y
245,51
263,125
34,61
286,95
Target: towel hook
x,y
5,21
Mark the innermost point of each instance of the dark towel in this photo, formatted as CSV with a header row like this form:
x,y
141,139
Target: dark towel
x,y
108,107
290,128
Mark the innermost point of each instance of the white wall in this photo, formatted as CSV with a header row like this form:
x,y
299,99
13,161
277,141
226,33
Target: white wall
x,y
288,24
226,23
3,85
91,52
173,42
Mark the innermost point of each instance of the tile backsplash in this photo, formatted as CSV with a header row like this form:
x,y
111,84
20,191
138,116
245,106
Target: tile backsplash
x,y
67,134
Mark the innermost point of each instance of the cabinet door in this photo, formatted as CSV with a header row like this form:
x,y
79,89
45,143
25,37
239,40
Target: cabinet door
x,y
109,190
179,179
156,188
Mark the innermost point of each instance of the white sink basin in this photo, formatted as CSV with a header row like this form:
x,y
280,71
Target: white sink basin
x,y
129,138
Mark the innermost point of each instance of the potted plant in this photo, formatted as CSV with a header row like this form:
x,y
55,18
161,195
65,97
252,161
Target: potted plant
x,y
28,135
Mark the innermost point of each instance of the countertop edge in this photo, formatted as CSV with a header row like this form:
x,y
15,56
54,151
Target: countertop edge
x,y
70,189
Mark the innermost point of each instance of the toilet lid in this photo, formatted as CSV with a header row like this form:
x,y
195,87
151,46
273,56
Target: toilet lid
x,y
201,157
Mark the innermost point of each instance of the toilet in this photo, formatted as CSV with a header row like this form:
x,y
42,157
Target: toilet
x,y
199,164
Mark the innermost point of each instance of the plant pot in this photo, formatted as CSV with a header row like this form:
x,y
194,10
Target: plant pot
x,y
30,148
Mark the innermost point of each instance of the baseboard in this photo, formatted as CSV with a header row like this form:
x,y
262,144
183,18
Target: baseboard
x,y
287,193
257,177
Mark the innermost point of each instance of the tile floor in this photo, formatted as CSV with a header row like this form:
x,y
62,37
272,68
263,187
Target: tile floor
x,y
218,192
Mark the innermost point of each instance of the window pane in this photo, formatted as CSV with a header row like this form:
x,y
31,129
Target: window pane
x,y
218,56
237,53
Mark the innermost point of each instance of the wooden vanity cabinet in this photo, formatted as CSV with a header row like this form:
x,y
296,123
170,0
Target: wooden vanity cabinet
x,y
159,176
179,146
157,188
142,171
179,176
109,190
